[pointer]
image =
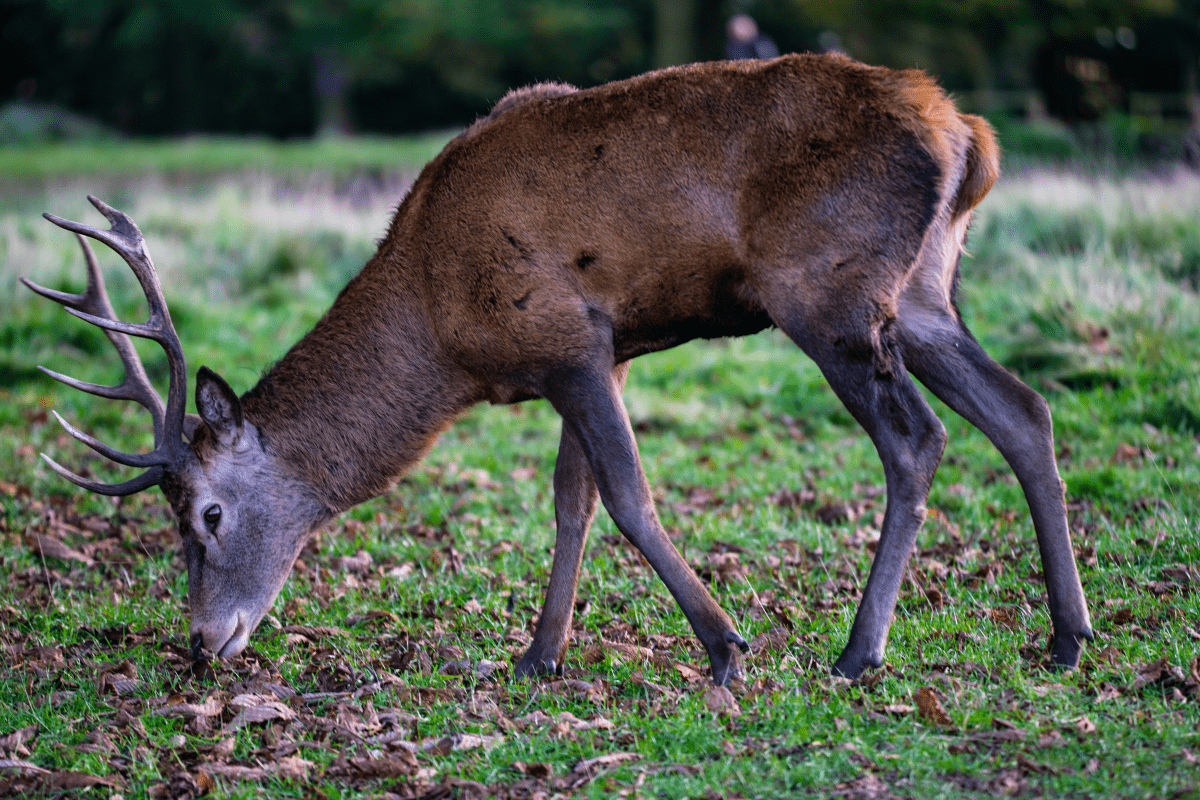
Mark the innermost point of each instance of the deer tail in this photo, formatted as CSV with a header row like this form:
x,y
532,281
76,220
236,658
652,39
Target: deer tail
x,y
982,166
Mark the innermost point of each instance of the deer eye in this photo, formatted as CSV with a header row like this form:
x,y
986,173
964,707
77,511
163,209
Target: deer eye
x,y
212,516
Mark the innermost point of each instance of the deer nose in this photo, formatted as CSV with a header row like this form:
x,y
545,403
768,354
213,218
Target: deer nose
x,y
237,640
223,638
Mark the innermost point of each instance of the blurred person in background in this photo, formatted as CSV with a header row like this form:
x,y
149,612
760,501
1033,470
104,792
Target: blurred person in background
x,y
743,40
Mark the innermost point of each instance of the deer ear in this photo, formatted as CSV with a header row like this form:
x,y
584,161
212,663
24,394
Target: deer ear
x,y
219,407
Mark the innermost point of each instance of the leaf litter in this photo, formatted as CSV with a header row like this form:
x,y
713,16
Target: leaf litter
x,y
359,710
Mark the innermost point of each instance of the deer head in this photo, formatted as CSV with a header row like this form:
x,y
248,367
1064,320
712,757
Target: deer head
x,y
242,521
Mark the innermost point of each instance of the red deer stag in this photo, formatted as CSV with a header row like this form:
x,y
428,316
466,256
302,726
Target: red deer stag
x,y
559,237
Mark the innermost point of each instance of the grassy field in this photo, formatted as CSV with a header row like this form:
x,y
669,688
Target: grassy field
x,y
208,155
385,667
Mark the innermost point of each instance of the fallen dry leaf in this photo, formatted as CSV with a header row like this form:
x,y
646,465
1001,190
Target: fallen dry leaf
x,y
563,723
536,769
50,547
688,672
532,719
375,615
584,690
937,601
1126,454
14,743
445,745
401,763
183,785
457,667
523,473
26,767
358,563
720,701
255,709
1150,673
211,707
774,640
314,632
1122,616
119,679
67,780
624,652
589,769
837,512
288,767
97,742
897,709
929,707
1051,739
867,787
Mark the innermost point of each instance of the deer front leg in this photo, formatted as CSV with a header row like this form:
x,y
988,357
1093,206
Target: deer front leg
x,y
590,404
575,498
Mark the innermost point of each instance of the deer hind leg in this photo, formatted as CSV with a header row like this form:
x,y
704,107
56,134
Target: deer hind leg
x,y
575,498
943,355
855,350
589,401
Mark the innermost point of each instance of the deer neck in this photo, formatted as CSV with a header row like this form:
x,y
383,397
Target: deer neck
x,y
362,396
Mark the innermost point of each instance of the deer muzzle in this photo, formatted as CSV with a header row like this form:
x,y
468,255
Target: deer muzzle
x,y
223,638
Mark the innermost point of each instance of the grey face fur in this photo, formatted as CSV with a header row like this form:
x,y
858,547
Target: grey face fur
x,y
241,520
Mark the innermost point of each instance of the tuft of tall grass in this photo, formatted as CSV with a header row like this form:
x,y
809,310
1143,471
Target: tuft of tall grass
x,y
1081,273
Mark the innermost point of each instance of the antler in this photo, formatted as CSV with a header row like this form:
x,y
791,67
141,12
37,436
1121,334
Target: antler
x,y
93,306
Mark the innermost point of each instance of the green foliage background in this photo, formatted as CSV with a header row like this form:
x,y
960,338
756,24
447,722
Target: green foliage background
x,y
293,67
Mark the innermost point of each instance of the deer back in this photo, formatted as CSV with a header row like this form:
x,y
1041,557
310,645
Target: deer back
x,y
656,203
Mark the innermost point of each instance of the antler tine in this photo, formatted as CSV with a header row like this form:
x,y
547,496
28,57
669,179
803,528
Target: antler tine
x,y
128,459
94,301
151,477
100,390
127,241
94,306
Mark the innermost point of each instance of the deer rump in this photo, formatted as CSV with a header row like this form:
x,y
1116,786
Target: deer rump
x,y
573,230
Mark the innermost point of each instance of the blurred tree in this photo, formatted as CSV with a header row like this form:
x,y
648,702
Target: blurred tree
x,y
674,32
156,66
421,63
290,67
991,47
293,67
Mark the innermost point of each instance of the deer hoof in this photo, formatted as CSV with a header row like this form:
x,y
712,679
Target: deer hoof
x,y
851,665
726,665
849,671
532,667
1065,649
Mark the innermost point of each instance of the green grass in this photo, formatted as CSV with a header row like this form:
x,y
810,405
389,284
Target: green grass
x,y
1083,285
205,155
